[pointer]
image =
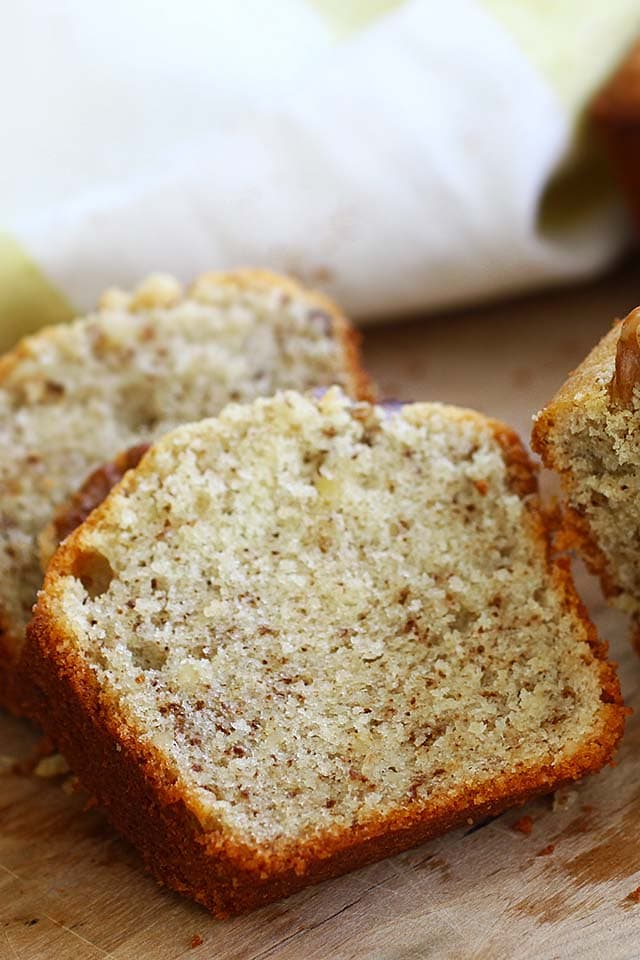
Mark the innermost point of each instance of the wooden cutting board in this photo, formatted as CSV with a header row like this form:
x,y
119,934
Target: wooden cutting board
x,y
70,888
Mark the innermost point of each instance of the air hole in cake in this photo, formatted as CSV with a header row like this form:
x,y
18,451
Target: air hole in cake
x,y
148,656
463,619
94,572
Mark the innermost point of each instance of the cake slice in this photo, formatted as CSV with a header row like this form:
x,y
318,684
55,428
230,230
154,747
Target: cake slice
x,y
311,633
590,435
75,395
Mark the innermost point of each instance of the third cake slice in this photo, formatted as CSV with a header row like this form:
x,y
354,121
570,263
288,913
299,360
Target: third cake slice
x,y
590,434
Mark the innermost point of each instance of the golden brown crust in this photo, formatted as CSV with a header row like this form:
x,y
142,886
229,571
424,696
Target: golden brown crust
x,y
226,876
521,470
11,692
619,100
627,371
634,634
362,386
616,114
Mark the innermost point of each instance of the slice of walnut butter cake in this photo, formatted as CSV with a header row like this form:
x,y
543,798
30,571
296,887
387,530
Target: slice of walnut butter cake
x,y
314,632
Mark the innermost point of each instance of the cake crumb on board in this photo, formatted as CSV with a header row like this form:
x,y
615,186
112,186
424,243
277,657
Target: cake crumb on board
x,y
523,825
546,851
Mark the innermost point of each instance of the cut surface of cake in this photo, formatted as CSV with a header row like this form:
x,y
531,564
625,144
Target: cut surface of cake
x,y
311,633
590,435
75,395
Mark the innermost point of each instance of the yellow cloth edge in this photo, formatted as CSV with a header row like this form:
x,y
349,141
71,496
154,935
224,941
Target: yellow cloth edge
x,y
346,18
28,300
575,45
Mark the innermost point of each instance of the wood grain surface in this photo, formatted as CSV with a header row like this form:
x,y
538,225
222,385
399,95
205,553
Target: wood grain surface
x,y
71,888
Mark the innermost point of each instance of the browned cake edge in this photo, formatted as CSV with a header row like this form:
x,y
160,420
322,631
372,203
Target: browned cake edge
x,y
572,527
12,692
143,801
16,693
74,511
616,114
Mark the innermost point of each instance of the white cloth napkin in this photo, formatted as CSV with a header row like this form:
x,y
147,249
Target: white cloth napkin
x,y
399,163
